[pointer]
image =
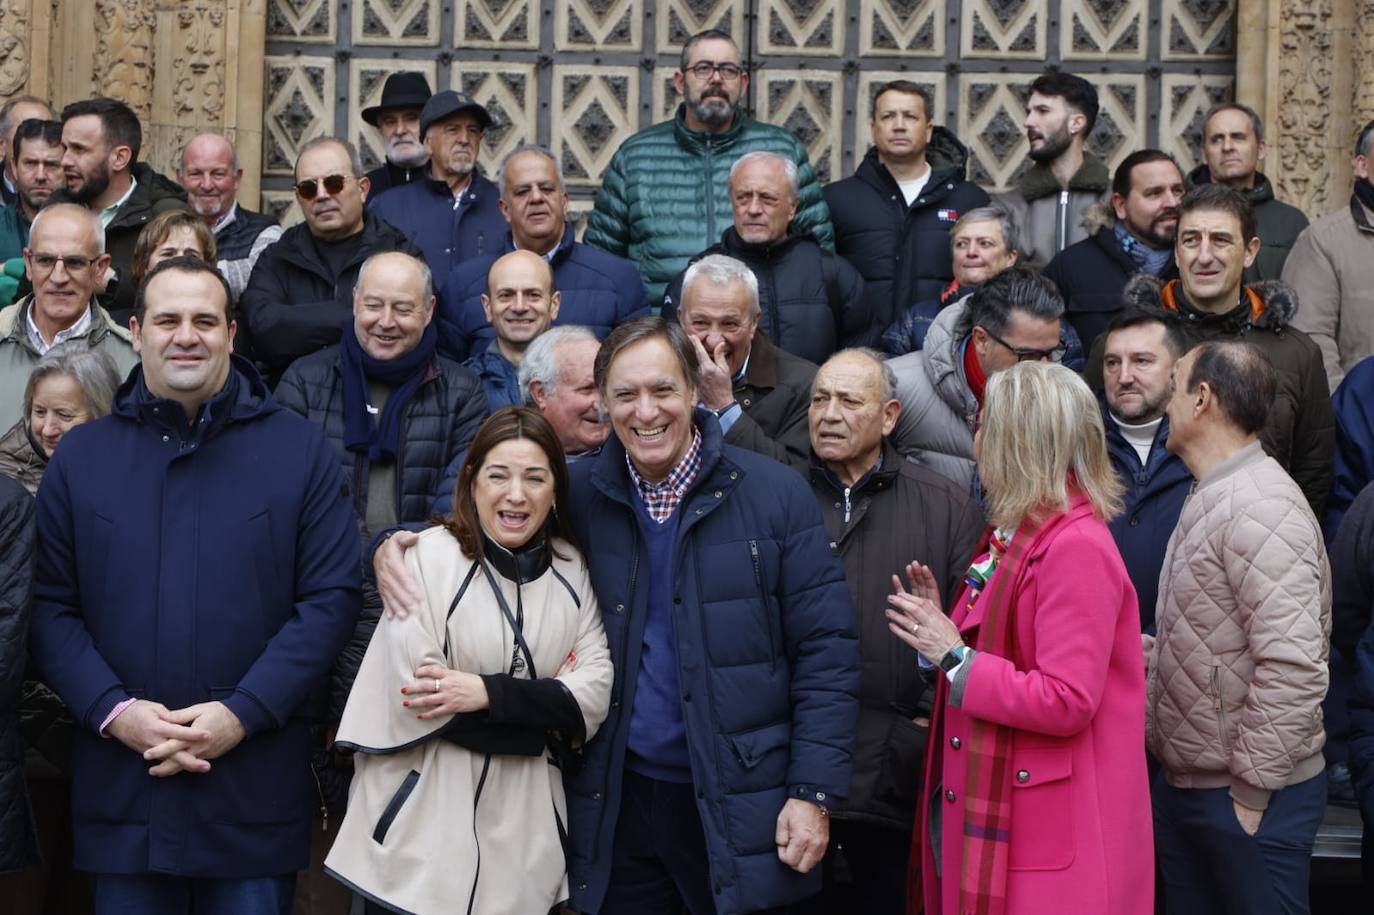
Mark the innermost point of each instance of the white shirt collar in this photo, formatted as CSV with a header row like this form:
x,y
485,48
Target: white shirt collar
x,y
107,215
79,329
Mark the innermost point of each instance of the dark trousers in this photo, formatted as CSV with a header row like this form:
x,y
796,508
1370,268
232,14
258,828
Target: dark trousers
x,y
162,894
52,887
865,869
1212,866
659,864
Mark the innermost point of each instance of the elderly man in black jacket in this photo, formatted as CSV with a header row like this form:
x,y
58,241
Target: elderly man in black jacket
x,y
892,218
299,295
882,511
811,301
758,392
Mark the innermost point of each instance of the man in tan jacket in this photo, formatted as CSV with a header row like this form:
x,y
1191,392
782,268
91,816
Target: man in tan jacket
x,y
1238,669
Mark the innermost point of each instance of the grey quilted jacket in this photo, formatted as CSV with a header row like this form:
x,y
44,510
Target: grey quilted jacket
x,y
938,407
1238,670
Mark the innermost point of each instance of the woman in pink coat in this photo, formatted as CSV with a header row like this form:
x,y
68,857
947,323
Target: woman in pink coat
x,y
1035,796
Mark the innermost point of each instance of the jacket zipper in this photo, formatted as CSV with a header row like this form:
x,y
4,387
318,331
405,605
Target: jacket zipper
x,y
1062,224
1220,709
767,610
848,504
319,790
712,236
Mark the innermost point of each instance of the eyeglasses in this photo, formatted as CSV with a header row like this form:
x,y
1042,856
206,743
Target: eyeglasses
x,y
46,263
1030,355
332,183
702,70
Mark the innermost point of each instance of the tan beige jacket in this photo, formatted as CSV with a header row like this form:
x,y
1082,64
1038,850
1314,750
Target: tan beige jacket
x,y
1238,670
1331,268
422,810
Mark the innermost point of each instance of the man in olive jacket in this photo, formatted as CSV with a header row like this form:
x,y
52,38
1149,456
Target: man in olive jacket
x,y
666,194
881,512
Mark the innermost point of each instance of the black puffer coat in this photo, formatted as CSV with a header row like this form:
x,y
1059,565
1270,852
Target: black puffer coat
x,y
439,424
812,301
902,251
18,842
903,512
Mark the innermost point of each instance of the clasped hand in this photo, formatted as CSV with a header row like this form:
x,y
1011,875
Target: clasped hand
x,y
178,740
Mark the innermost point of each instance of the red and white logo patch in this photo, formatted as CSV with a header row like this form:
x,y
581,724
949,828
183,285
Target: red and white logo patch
x,y
947,215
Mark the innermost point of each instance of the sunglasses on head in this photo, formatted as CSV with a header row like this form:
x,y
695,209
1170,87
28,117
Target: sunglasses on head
x,y
310,187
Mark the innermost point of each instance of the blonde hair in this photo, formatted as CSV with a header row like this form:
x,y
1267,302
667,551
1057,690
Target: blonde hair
x,y
1041,426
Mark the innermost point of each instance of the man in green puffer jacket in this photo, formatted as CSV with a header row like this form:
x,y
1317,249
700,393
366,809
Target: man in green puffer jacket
x,y
666,194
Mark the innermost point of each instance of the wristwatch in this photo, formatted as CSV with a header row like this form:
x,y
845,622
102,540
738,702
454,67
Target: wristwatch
x,y
952,658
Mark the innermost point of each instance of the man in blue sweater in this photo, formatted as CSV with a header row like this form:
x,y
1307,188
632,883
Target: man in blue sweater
x,y
732,717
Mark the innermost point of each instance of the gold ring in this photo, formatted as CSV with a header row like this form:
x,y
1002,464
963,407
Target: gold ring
x,y
436,684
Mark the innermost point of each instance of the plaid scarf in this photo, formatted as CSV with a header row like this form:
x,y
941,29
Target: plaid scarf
x,y
987,792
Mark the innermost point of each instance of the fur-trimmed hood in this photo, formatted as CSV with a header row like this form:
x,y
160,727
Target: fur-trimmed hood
x,y
1272,303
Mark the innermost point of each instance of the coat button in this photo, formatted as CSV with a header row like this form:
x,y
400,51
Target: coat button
x,y
719,493
619,608
820,795
1135,520
949,796
746,402
734,474
596,795
166,438
582,885
615,703
1023,776
955,742
700,510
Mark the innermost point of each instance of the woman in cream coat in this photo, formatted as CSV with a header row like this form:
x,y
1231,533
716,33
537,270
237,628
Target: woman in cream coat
x,y
463,711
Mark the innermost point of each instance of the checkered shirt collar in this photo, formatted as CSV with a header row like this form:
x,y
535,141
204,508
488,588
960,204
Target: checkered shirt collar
x,y
662,499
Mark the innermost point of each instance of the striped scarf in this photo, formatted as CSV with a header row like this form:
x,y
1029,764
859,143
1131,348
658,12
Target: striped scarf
x,y
987,793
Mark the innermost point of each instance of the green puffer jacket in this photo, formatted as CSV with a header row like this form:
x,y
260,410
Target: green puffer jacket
x,y
654,208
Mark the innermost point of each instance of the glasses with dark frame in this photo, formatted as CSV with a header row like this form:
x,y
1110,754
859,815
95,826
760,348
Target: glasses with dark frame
x,y
47,263
702,70
1030,355
308,188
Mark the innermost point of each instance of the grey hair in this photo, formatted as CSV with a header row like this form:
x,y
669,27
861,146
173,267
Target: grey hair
x,y
1011,235
722,270
8,108
1255,123
540,362
181,159
788,166
887,384
527,148
426,276
355,161
74,209
93,370
1365,140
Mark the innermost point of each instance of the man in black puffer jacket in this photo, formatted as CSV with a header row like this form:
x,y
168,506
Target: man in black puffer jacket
x,y
18,842
811,301
892,218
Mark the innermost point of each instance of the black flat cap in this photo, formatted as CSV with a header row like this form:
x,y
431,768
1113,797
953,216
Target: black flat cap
x,y
448,103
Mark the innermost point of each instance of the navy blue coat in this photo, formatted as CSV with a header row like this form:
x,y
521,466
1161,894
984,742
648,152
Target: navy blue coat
x,y
595,289
767,662
1353,466
1352,598
1153,500
500,378
423,211
186,565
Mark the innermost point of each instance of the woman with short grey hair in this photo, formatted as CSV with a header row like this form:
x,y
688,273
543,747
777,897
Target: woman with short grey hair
x,y
72,384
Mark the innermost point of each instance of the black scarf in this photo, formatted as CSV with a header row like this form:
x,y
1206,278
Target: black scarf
x,y
382,439
1364,192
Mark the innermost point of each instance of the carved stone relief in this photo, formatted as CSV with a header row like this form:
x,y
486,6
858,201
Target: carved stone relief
x,y
198,65
123,64
15,25
1304,111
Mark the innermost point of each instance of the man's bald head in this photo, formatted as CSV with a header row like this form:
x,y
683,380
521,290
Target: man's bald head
x,y
209,171
520,302
853,408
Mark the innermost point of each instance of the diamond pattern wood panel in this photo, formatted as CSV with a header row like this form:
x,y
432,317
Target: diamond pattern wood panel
x,y
811,27
396,22
496,24
1102,30
302,20
1121,121
599,25
510,93
665,97
809,103
1199,29
300,107
992,108
906,27
1003,29
594,110
284,206
366,75
1184,102
678,20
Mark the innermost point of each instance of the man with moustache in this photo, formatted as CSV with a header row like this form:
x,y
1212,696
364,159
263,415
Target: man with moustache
x,y
1092,274
1140,352
102,139
1217,240
300,292
36,151
597,290
1065,180
666,194
209,171
65,260
1331,269
397,118
520,303
453,213
14,112
882,511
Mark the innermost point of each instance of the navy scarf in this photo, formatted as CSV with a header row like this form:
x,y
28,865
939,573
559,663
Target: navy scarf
x,y
403,375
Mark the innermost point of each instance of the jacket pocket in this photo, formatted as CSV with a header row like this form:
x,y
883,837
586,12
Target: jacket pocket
x,y
393,806
1041,793
1219,704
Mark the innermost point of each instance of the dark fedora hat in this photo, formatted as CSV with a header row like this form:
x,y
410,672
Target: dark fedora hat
x,y
448,103
401,90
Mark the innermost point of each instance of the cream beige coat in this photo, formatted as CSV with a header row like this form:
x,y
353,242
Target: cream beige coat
x,y
1238,671
425,832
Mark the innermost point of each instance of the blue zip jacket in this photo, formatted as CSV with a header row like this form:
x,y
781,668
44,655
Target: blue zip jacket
x,y
767,657
1353,464
500,379
187,563
595,289
1153,500
424,211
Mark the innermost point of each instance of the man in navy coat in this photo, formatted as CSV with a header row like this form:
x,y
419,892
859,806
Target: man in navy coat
x,y
196,574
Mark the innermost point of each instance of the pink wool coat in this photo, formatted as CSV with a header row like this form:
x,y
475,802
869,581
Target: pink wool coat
x,y
1081,829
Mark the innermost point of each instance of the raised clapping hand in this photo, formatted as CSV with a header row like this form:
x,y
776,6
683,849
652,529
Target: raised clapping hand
x,y
438,691
915,617
803,832
717,387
